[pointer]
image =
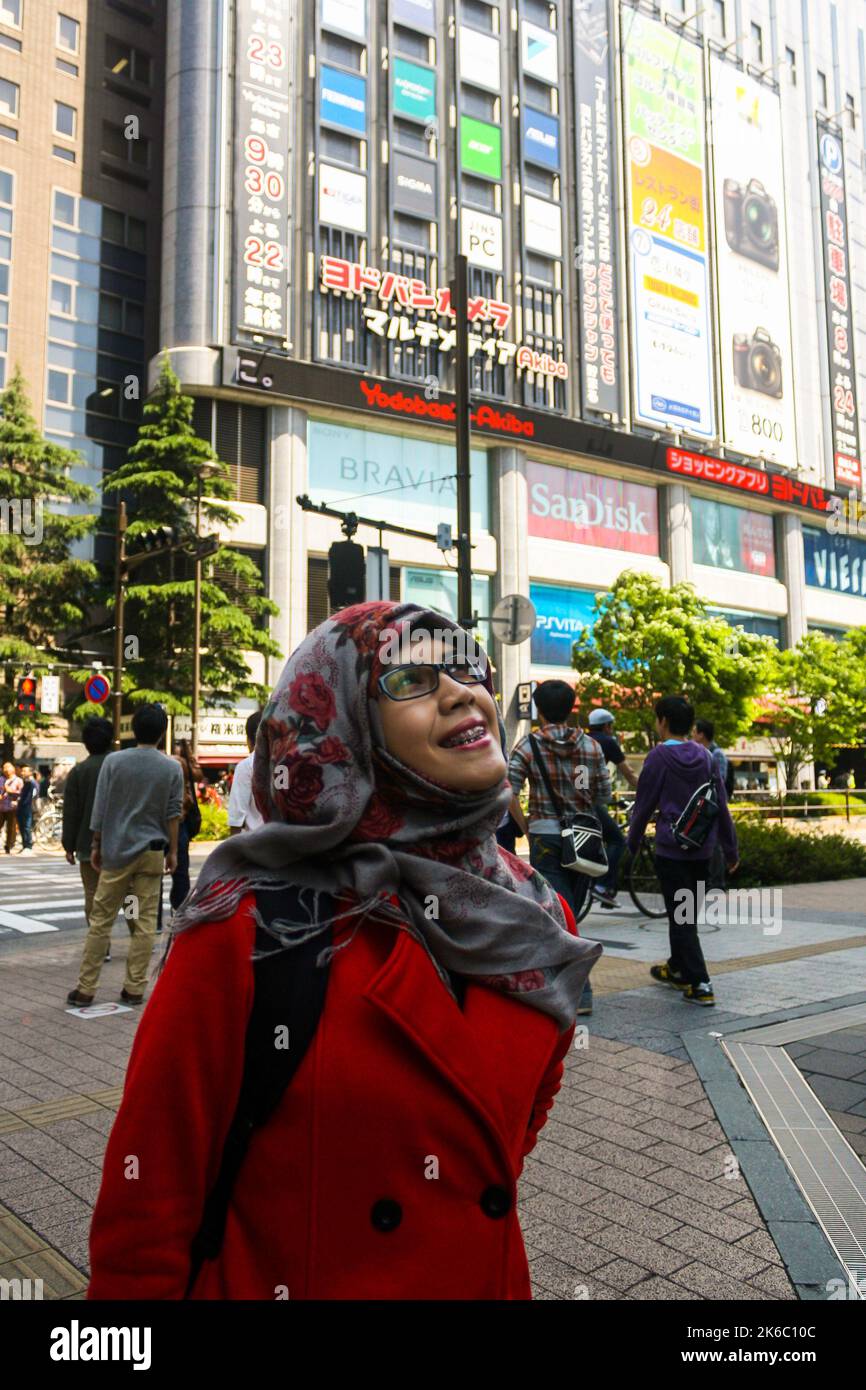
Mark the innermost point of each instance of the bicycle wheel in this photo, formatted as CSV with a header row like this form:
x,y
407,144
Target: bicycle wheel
x,y
587,904
643,884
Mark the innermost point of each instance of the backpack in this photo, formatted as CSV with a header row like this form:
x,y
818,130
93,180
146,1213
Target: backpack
x,y
289,992
692,826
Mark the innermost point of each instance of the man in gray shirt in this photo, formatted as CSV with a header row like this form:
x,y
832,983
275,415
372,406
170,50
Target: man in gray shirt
x,y
135,819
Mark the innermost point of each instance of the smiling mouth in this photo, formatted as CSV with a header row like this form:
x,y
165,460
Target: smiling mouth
x,y
466,737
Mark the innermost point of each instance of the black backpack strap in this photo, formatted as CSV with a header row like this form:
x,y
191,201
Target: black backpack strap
x,y
289,996
555,801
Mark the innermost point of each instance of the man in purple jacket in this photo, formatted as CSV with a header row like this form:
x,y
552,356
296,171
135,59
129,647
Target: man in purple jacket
x,y
671,774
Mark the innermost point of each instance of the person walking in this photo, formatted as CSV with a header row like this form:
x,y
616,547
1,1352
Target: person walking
x,y
10,791
578,777
190,820
705,735
673,771
445,976
24,813
79,793
243,812
601,724
135,820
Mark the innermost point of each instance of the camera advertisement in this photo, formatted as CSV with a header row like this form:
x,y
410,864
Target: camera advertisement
x,y
752,261
671,322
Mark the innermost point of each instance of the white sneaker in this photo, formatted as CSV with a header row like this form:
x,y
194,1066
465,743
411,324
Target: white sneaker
x,y
26,851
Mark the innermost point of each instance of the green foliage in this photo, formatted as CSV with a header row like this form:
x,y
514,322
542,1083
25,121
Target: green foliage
x,y
817,700
44,590
647,640
160,481
771,854
214,823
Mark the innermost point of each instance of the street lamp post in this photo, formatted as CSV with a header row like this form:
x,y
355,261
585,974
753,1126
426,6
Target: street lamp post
x,y
205,469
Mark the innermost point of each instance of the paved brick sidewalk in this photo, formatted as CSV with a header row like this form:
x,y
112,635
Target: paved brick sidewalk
x,y
630,1192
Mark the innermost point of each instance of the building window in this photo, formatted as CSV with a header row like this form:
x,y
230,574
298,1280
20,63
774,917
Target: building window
x,y
68,33
123,229
7,41
69,68
757,43
62,298
64,209
822,90
59,386
64,120
851,109
10,13
63,152
791,60
720,19
123,60
9,94
115,143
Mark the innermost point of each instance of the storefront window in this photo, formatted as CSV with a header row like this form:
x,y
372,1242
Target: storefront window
x,y
438,589
755,623
392,477
566,505
732,538
837,563
563,613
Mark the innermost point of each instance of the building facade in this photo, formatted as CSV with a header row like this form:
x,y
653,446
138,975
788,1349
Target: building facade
x,y
663,215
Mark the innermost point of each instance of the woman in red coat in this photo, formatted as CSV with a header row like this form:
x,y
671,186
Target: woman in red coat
x,y
388,1168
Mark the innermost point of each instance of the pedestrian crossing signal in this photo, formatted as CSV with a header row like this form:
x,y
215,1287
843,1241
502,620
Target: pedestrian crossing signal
x,y
27,695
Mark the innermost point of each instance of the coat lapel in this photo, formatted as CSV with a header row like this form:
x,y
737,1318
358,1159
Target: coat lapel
x,y
494,1052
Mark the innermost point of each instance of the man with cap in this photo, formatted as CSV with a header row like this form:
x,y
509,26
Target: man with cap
x,y
601,723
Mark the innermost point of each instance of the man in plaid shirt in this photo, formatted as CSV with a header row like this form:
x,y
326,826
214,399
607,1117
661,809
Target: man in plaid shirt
x,y
578,775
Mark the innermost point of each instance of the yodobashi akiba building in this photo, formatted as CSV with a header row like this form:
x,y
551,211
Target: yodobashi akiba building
x,y
633,304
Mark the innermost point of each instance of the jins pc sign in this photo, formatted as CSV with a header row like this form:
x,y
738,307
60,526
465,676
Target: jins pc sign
x,y
402,310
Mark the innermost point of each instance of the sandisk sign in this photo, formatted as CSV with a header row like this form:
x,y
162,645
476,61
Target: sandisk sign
x,y
401,302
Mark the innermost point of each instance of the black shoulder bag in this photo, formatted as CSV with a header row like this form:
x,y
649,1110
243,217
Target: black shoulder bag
x,y
289,993
582,839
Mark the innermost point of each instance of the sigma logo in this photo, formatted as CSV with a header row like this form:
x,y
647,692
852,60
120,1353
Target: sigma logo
x,y
591,510
416,185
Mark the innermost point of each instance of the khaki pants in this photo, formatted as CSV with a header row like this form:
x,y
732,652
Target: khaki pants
x,y
89,878
142,879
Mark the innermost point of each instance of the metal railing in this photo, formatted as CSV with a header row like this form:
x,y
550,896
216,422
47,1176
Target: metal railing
x,y
818,804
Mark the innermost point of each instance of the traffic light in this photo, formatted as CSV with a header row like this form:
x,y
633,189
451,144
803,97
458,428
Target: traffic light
x,y
347,574
161,538
27,695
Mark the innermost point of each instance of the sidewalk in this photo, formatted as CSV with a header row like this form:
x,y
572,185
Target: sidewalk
x,y
633,1190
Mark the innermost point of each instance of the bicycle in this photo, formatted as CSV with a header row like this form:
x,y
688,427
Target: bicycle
x,y
48,829
637,874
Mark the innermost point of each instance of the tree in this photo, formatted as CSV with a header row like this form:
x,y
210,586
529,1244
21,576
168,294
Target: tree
x,y
816,700
647,640
160,481
44,589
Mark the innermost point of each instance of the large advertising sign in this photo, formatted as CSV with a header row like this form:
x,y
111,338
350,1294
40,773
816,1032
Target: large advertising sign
x,y
671,337
565,505
837,563
261,222
542,226
732,538
562,616
752,266
480,148
595,147
342,198
418,14
411,479
481,238
479,59
538,48
413,185
414,91
346,16
837,297
343,100
540,138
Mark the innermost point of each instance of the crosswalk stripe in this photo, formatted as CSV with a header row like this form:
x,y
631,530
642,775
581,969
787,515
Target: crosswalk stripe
x,y
26,925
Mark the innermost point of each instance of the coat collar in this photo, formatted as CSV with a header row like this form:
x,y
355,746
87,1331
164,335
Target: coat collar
x,y
494,1051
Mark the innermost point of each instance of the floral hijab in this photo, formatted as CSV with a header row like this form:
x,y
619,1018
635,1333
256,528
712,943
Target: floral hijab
x,y
345,817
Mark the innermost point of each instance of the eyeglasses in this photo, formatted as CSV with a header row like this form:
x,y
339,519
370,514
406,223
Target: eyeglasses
x,y
412,681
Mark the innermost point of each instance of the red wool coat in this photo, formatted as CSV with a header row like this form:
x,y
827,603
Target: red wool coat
x,y
388,1169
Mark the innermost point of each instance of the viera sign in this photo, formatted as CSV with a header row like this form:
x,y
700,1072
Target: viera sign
x,y
569,506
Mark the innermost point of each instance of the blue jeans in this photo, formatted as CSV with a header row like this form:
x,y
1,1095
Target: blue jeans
x,y
614,843
545,856
25,825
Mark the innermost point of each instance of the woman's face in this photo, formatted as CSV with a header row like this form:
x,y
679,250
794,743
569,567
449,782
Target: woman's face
x,y
450,736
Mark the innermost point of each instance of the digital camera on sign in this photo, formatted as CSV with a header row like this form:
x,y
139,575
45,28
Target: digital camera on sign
x,y
758,363
752,222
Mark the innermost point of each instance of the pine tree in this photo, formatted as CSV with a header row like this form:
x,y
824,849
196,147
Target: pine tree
x,y
44,590
159,480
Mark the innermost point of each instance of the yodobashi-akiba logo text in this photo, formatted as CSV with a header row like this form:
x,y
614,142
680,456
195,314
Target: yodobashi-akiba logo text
x,y
77,1343
591,510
